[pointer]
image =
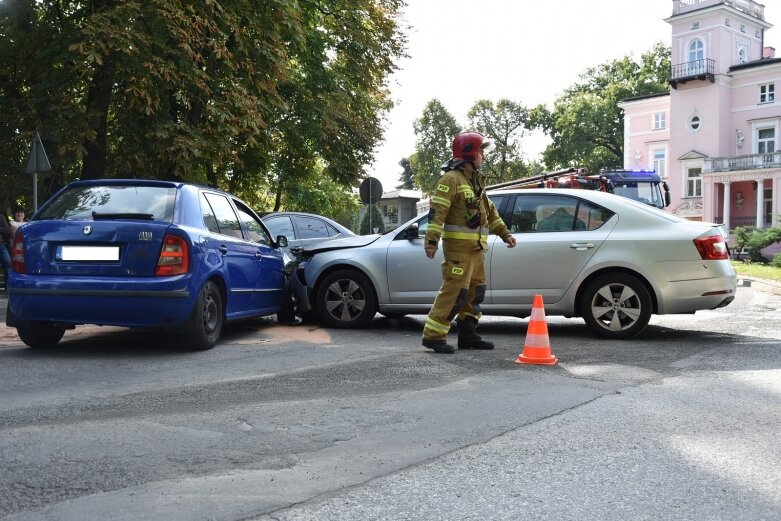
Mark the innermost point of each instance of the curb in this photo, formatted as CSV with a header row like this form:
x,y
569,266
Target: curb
x,y
766,286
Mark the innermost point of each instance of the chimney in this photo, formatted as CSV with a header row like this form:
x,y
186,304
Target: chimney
x,y
769,53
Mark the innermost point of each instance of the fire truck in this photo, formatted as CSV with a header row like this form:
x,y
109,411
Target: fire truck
x,y
645,186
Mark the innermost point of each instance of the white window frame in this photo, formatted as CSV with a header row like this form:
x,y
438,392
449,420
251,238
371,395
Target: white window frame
x,y
765,145
698,53
660,120
693,184
767,93
659,160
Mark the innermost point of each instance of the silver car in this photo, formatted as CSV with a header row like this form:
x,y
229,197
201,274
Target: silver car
x,y
595,255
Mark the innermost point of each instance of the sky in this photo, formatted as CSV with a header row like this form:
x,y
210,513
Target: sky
x,y
527,51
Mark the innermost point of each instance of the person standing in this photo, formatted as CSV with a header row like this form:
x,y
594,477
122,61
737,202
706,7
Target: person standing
x,y
461,215
17,221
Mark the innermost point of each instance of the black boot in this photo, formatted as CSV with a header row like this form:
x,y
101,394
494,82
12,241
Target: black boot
x,y
467,338
439,346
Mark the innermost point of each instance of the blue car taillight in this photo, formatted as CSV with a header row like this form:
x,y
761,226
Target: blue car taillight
x,y
174,257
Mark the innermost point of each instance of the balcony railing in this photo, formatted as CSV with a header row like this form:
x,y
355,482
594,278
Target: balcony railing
x,y
749,7
693,70
752,162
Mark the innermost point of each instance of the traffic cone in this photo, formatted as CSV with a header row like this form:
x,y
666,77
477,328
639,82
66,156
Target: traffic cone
x,y
536,348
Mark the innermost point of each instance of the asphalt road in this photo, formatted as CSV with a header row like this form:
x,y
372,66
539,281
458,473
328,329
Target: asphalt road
x,y
303,423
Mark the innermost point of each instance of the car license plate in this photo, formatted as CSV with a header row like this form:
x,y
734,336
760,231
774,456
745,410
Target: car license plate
x,y
89,253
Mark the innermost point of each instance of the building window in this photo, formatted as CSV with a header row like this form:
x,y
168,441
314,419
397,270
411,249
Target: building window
x,y
727,22
742,55
695,25
766,140
694,182
743,28
696,50
694,123
660,120
659,162
767,93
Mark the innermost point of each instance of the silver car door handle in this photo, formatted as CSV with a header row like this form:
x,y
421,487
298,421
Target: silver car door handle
x,y
581,246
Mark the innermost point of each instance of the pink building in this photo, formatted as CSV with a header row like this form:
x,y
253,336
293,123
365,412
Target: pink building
x,y
715,134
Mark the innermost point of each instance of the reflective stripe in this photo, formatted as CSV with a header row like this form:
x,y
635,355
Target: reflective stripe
x,y
535,340
476,317
441,201
439,327
473,236
495,223
483,230
467,191
537,314
433,227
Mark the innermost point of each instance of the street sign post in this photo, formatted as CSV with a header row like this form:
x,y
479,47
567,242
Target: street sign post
x,y
37,162
370,192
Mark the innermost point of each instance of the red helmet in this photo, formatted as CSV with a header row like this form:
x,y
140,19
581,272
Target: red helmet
x,y
466,145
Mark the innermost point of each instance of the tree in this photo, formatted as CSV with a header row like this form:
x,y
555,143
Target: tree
x,y
407,176
504,125
371,221
435,130
325,196
223,93
586,124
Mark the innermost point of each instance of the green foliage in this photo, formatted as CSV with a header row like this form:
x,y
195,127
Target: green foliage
x,y
407,176
372,219
435,130
504,125
223,93
319,194
586,124
754,240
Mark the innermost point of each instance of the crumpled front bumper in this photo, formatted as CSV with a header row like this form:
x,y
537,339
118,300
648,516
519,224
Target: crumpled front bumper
x,y
302,293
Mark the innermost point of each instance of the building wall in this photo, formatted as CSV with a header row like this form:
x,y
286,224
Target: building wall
x,y
728,107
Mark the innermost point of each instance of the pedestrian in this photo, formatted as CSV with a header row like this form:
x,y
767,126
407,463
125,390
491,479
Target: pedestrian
x,y
461,214
17,221
5,244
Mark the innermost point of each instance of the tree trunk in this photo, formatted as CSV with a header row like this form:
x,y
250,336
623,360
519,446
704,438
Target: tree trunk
x,y
98,101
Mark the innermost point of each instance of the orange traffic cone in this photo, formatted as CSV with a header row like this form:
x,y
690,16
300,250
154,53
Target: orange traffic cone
x,y
536,348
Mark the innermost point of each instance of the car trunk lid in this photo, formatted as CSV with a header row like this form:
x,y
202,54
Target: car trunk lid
x,y
102,247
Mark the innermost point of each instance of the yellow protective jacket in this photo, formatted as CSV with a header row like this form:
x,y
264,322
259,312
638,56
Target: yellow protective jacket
x,y
453,204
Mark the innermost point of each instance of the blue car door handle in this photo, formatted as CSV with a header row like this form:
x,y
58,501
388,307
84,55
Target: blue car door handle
x,y
223,249
581,246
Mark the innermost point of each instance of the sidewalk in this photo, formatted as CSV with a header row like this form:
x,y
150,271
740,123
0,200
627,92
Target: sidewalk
x,y
767,286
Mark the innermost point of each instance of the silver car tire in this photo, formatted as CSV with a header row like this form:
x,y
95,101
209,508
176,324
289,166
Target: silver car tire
x,y
346,299
616,306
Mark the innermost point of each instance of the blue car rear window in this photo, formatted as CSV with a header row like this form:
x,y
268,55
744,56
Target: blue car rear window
x,y
80,202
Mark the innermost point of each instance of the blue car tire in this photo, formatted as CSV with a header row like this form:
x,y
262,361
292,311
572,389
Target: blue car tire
x,y
207,319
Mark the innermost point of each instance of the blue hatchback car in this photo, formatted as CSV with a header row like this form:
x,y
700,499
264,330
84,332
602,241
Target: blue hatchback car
x,y
143,253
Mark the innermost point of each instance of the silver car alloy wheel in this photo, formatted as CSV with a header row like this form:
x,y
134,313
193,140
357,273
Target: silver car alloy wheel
x,y
345,299
616,306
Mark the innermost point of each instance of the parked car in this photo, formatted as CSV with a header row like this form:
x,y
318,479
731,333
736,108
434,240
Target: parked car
x,y
302,229
625,262
141,253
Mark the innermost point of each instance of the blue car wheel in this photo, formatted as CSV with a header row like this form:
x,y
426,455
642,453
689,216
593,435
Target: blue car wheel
x,y
207,318
39,335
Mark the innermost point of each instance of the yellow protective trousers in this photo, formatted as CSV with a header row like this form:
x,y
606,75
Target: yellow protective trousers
x,y
462,292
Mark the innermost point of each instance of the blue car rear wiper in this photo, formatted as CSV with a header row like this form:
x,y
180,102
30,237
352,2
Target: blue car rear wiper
x,y
123,215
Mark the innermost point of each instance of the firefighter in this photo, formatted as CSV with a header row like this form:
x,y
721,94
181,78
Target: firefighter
x,y
461,214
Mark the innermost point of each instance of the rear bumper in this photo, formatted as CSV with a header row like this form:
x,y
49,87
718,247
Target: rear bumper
x,y
693,295
147,302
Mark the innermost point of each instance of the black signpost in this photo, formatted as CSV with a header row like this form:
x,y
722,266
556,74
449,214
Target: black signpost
x,y
37,162
370,192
